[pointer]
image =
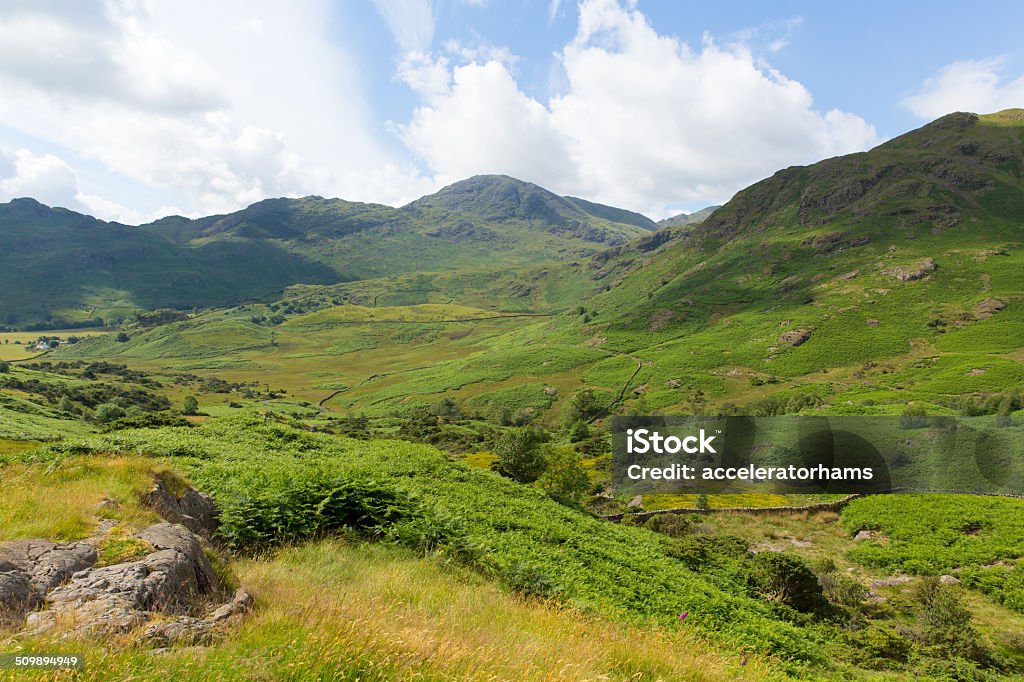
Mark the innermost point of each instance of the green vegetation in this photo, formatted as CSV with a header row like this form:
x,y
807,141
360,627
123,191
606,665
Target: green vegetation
x,y
930,534
258,251
483,320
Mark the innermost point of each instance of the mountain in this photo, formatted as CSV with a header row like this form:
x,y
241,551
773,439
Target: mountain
x,y
61,267
499,198
855,285
66,268
688,218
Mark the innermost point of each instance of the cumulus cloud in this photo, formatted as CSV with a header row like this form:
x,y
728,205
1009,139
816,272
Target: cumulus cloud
x,y
645,121
213,106
979,86
47,178
212,102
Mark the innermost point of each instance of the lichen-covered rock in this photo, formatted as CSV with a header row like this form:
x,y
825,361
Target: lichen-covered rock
x,y
15,594
240,603
988,308
170,596
31,568
117,598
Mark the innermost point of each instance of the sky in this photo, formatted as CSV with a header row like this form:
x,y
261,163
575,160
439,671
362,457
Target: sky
x,y
131,110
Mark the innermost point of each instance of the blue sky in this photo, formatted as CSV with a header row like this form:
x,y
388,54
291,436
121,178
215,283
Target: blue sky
x,y
131,110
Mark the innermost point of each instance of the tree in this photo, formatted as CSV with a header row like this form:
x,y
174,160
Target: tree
x,y
122,337
584,405
190,406
447,409
519,455
563,478
420,425
5,367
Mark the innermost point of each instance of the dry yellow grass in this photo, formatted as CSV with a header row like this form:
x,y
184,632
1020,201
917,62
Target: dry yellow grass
x,y
59,502
338,611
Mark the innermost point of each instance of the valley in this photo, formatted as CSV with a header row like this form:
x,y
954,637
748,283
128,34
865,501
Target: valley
x,y
409,408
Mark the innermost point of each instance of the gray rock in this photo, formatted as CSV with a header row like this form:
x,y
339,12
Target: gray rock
x,y
194,510
31,568
117,598
240,603
16,595
949,580
184,631
796,337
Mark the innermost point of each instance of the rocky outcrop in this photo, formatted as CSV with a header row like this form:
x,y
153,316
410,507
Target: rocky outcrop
x,y
795,337
171,595
910,273
117,598
194,510
29,569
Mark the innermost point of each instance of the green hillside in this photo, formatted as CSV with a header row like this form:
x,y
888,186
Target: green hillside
x,y
858,285
485,221
60,267
440,534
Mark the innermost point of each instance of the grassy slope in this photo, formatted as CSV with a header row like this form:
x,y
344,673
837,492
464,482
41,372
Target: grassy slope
x,y
340,607
812,248
60,265
333,607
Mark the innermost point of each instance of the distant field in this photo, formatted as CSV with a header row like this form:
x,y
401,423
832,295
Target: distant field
x,y
9,350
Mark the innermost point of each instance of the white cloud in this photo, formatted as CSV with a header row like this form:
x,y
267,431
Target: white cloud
x,y
978,86
484,124
220,103
47,178
412,22
553,6
646,122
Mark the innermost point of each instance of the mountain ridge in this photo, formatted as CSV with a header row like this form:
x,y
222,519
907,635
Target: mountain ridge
x,y
261,249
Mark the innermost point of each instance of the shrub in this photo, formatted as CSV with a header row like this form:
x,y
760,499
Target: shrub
x,y
520,456
580,431
563,478
672,525
108,412
881,643
697,551
190,406
530,581
786,579
5,367
913,417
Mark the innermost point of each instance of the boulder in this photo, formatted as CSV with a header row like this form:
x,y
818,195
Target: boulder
x,y
117,598
910,273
